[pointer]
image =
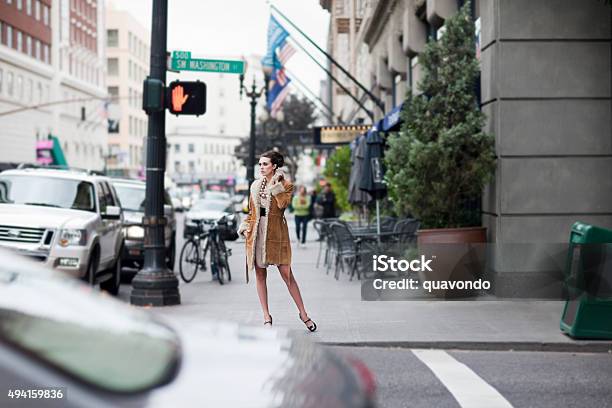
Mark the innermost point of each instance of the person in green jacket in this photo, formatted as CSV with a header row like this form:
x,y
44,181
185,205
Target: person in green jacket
x,y
301,208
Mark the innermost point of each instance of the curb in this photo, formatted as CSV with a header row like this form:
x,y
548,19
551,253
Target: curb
x,y
578,347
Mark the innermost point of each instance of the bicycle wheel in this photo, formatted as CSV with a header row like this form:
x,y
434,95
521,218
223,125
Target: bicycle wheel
x,y
216,263
190,260
225,260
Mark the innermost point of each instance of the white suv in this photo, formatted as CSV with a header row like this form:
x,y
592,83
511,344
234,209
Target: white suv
x,y
68,219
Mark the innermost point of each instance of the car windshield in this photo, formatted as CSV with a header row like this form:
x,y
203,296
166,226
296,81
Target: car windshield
x,y
210,205
132,197
47,192
61,322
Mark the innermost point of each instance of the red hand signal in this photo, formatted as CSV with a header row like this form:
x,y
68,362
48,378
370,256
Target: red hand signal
x,y
178,99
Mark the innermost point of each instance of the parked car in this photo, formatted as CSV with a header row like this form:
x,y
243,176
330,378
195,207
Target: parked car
x,y
177,204
207,209
132,197
68,219
57,335
215,195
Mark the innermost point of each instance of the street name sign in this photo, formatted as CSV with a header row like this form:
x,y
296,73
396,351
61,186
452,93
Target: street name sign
x,y
207,65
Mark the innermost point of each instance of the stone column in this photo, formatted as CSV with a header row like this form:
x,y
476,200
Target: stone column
x,y
546,90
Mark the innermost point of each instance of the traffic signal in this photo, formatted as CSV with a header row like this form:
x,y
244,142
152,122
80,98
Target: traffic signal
x,y
186,98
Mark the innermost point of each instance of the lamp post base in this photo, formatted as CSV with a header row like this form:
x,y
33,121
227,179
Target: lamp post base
x,y
155,288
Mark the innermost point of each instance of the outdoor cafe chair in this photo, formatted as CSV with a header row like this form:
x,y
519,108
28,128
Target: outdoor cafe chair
x,y
347,249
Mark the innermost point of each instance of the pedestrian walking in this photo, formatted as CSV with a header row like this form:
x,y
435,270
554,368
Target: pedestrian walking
x,y
311,208
301,206
327,199
266,233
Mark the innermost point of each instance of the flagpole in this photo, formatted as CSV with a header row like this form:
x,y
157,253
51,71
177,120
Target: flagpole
x,y
333,78
377,101
329,110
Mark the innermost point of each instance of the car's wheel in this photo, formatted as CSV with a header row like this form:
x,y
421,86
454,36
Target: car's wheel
x,y
92,267
171,254
113,284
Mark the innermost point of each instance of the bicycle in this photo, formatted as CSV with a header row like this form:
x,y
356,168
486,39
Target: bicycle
x,y
193,253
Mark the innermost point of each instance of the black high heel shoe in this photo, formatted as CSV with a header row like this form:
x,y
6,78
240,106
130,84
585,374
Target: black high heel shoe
x,y
268,321
311,328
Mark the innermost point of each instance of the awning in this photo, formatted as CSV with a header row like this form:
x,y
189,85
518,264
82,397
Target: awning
x,y
393,119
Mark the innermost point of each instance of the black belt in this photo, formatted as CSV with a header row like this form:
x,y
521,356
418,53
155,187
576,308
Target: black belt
x,y
262,211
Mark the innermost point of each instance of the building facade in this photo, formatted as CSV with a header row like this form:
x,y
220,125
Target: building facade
x,y
194,157
127,63
546,88
52,79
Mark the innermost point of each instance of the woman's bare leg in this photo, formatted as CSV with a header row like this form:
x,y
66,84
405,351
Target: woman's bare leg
x,y
262,291
294,290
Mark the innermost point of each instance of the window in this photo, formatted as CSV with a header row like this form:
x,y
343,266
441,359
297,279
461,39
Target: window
x,y
19,4
1,79
113,92
414,61
46,15
130,41
112,38
177,148
46,53
37,10
29,7
28,45
191,148
395,95
112,66
19,87
101,198
130,69
9,36
9,83
177,166
19,41
38,56
191,167
28,92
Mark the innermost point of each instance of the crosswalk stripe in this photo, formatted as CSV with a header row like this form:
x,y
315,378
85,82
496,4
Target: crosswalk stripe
x,y
469,389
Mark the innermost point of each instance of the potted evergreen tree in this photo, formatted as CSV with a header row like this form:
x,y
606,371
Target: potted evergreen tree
x,y
441,159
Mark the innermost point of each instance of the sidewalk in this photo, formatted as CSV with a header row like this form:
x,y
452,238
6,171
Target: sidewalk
x,y
343,318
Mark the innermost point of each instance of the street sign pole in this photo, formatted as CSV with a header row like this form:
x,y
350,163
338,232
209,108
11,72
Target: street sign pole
x,y
155,284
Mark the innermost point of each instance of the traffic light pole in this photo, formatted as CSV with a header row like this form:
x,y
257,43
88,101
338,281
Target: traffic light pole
x,y
155,284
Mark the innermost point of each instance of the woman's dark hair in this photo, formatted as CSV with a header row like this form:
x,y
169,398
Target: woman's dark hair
x,y
275,157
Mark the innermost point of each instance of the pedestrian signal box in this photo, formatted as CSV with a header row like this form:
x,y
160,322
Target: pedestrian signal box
x,y
186,98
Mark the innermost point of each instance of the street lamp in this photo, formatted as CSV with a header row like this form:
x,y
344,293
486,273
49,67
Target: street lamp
x,y
254,95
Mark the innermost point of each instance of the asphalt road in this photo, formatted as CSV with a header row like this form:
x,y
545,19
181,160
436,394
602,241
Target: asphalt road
x,y
520,379
483,379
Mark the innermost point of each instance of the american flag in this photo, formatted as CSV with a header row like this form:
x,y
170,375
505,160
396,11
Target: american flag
x,y
278,101
285,51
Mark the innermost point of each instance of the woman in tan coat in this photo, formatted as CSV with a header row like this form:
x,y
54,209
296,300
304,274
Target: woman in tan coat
x,y
266,233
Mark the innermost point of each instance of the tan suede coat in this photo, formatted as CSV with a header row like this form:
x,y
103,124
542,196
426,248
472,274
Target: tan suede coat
x,y
277,248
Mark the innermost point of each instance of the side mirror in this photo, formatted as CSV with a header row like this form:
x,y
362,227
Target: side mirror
x,y
112,213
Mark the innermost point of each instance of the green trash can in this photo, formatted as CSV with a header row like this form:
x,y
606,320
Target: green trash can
x,y
588,283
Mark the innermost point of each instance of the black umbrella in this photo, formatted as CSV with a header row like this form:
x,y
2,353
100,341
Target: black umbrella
x,y
374,170
357,196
